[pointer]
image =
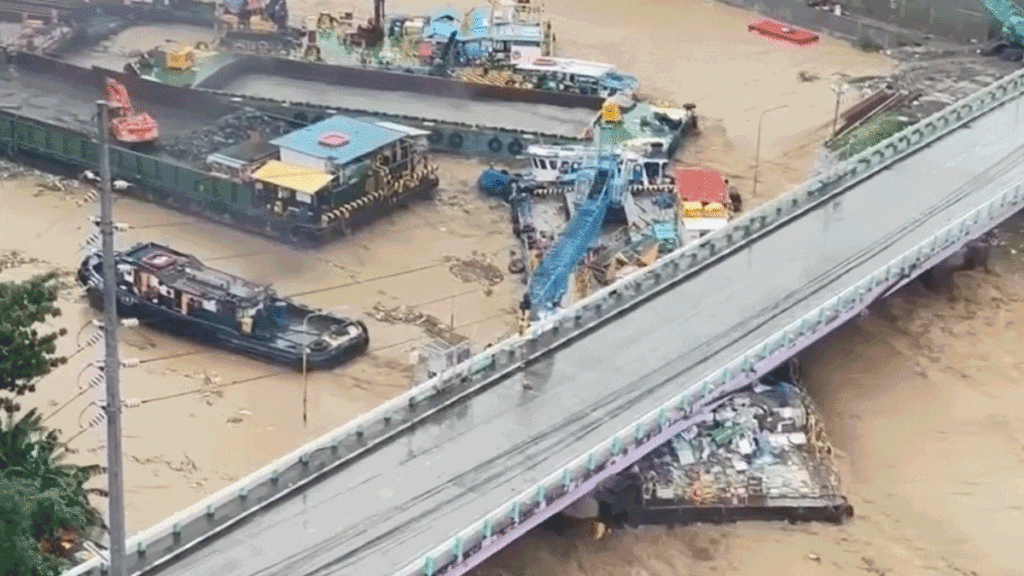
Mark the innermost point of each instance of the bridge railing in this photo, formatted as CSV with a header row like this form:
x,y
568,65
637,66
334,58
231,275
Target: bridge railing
x,y
190,526
681,408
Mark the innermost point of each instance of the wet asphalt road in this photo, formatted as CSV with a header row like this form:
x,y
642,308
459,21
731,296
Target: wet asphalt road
x,y
388,509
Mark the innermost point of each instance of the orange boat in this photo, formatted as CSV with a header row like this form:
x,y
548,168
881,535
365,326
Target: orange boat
x,y
775,29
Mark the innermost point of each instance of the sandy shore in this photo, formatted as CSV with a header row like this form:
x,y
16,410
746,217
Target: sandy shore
x,y
922,397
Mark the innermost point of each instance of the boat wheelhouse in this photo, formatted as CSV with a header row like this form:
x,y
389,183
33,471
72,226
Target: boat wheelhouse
x,y
572,75
176,291
560,164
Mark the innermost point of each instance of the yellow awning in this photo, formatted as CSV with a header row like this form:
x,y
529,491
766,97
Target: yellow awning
x,y
292,177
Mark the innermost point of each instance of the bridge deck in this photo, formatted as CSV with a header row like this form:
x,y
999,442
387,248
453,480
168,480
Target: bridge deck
x,y
387,509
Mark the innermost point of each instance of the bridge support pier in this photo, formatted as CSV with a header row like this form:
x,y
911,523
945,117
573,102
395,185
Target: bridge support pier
x,y
974,255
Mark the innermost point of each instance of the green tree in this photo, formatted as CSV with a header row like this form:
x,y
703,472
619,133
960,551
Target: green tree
x,y
42,498
26,355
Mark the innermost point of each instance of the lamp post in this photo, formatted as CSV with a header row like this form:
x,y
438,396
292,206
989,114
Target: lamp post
x,y
757,152
305,350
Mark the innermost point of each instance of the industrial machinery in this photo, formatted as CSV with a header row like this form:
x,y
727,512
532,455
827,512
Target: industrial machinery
x,y
126,125
372,34
258,16
550,280
183,59
445,61
1009,15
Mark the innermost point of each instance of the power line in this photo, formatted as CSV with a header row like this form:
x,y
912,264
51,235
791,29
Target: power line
x,y
217,387
365,280
481,320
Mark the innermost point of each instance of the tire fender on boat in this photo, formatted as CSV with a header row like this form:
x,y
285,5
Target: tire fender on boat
x,y
455,140
515,147
494,145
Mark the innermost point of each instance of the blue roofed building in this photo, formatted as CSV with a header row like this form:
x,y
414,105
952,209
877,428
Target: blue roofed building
x,y
330,161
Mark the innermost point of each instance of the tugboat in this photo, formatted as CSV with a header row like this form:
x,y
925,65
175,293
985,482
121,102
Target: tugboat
x,y
175,291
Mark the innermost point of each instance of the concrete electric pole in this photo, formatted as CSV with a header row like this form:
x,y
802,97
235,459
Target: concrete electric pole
x,y
112,365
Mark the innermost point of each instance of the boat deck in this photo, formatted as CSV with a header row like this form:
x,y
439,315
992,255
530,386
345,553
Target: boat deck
x,y
532,117
45,97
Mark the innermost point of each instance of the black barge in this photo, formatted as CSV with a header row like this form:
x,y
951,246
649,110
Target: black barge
x,y
761,454
176,292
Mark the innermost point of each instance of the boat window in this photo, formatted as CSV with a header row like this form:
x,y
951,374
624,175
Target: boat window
x,y
652,169
565,166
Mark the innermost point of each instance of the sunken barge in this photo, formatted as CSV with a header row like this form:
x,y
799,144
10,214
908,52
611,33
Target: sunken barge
x,y
760,454
178,293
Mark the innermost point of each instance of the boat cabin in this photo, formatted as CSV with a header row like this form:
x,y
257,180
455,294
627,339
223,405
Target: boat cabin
x,y
697,219
179,282
571,75
553,164
335,161
516,31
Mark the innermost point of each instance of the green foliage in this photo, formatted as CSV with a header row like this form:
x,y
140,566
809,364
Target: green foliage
x,y
871,132
20,554
25,354
41,495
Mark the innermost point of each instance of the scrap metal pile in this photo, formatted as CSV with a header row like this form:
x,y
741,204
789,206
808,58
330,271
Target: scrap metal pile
x,y
761,447
196,145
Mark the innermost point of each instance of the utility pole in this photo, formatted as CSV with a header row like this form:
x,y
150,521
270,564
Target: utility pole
x,y
112,365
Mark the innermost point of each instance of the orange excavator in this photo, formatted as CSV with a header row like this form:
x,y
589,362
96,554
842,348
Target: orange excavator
x,y
126,125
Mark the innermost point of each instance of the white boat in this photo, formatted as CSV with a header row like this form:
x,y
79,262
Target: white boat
x,y
557,165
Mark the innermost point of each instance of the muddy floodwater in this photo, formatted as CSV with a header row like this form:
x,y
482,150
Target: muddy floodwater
x,y
923,397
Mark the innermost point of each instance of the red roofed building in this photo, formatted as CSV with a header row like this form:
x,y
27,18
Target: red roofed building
x,y
696,184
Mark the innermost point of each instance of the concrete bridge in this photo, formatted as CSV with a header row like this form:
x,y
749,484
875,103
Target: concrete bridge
x,y
438,479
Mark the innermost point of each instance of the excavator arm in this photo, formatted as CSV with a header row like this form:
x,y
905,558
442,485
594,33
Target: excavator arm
x,y
117,95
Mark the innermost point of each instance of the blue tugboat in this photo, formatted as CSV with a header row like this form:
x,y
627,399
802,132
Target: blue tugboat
x,y
175,291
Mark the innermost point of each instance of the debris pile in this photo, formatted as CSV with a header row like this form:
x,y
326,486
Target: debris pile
x,y
406,315
196,145
480,268
759,446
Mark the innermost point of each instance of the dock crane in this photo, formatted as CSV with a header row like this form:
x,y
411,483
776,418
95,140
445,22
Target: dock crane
x,y
126,125
1010,16
550,280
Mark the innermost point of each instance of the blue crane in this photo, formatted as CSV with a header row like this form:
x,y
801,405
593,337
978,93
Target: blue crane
x,y
550,280
1009,15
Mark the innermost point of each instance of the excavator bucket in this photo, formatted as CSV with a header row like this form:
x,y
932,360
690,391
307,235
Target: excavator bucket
x,y
126,125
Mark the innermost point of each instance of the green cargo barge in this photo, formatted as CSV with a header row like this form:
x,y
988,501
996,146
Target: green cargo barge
x,y
309,185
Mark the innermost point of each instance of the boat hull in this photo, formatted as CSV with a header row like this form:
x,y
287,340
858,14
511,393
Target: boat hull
x,y
131,306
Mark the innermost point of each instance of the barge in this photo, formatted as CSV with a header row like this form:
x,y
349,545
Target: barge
x,y
315,182
760,454
174,291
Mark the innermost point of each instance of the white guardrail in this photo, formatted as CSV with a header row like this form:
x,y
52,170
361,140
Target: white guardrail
x,y
225,507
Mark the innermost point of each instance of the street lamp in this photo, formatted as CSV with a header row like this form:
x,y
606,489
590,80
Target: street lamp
x,y
757,153
305,350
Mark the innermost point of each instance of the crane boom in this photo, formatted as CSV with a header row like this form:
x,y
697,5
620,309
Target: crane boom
x,y
1009,14
550,280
